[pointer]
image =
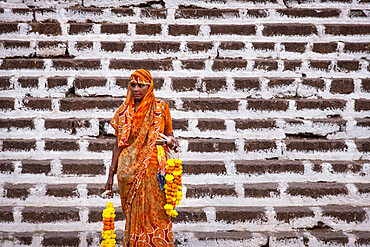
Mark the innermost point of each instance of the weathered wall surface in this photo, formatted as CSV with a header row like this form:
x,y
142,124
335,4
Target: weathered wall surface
x,y
270,102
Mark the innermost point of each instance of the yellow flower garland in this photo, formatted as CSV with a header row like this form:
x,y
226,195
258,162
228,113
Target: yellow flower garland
x,y
108,229
173,187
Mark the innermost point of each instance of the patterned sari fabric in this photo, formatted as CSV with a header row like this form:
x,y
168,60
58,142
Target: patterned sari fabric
x,y
142,201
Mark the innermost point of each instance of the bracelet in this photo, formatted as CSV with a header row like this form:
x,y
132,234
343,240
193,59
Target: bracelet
x,y
112,170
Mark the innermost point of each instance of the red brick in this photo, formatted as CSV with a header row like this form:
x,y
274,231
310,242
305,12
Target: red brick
x,y
53,82
295,47
21,63
193,64
198,13
101,145
342,86
85,11
37,103
267,105
288,214
348,65
165,64
325,47
229,64
184,84
83,45
357,47
113,46
232,45
46,28
7,103
28,82
67,124
263,64
83,167
314,82
86,82
19,123
355,13
80,28
259,145
246,83
4,82
227,235
258,190
363,145
18,191
264,46
153,13
317,190
211,124
114,28
233,29
6,214
210,104
190,215
61,239
61,145
315,13
241,124
177,30
199,46
148,29
156,46
94,190
362,238
18,145
50,214
204,167
15,44
123,12
365,84
214,84
365,122
8,27
95,214
258,13
6,166
180,124
316,145
331,238
294,29
77,104
292,65
347,29
62,190
78,64
210,190
321,104
268,166
36,166
320,65
240,214
279,82
362,105
345,213
211,145
363,188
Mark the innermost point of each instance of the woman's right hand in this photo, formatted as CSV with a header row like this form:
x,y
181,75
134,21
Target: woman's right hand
x,y
109,185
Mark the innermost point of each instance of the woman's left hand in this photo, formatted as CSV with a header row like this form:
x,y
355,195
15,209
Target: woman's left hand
x,y
172,143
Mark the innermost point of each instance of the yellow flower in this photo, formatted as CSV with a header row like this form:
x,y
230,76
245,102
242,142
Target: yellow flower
x,y
178,161
169,177
173,213
168,207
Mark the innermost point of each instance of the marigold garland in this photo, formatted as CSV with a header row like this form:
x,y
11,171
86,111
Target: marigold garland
x,y
173,188
108,229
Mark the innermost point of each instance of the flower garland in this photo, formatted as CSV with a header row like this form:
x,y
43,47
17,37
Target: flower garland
x,y
173,188
108,229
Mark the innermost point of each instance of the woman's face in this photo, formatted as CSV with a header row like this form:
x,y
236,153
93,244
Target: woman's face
x,y
138,90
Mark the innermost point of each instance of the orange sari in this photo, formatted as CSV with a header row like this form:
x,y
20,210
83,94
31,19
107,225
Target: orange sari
x,y
147,223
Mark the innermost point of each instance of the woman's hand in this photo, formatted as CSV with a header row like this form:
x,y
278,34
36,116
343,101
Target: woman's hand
x,y
172,143
109,184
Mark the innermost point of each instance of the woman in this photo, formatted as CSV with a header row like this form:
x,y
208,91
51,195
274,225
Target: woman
x,y
137,124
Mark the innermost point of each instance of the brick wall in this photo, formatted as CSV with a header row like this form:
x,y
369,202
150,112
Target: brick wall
x,y
269,99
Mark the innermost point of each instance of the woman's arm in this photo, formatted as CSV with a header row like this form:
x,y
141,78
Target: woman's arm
x,y
173,144
113,167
